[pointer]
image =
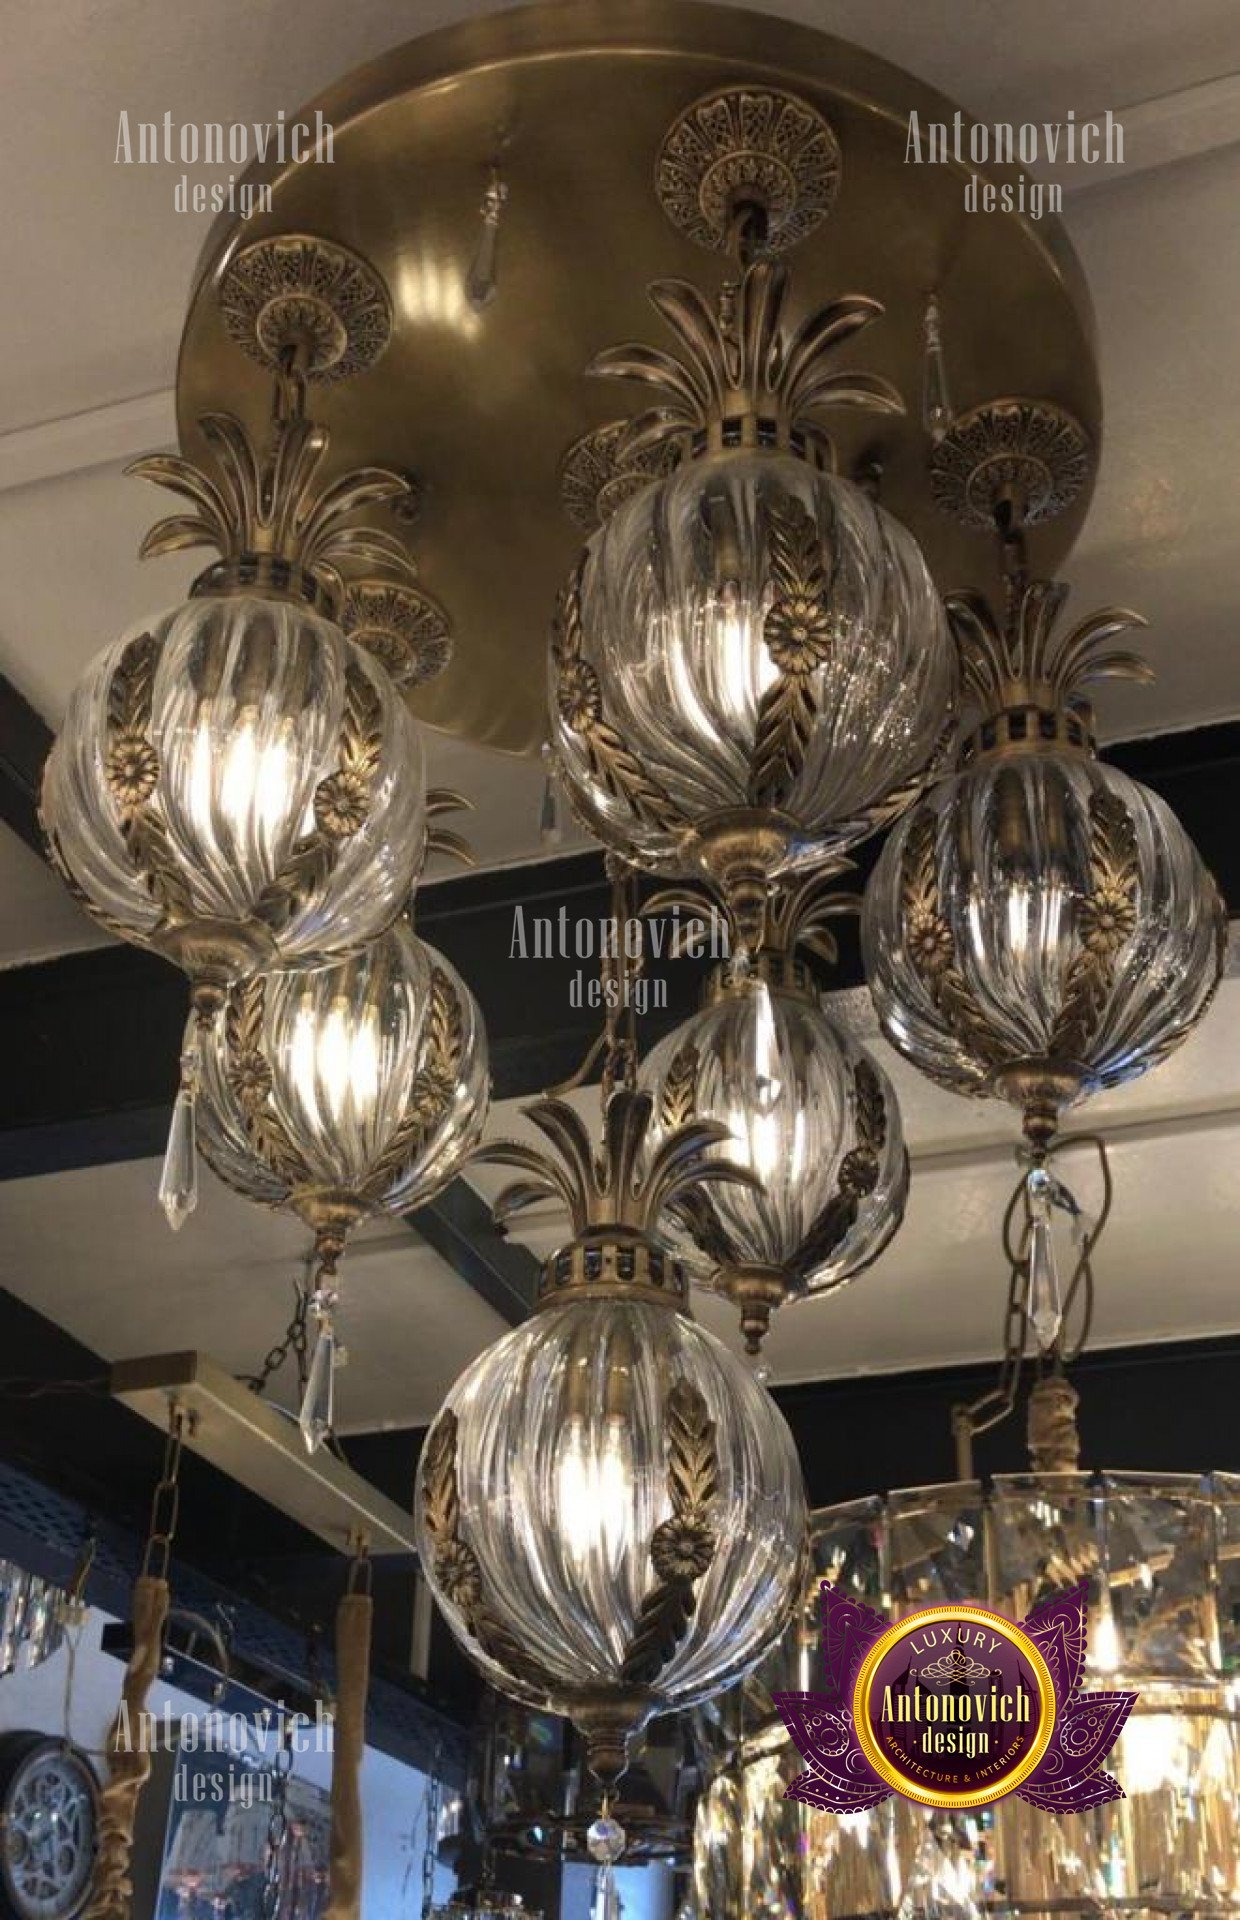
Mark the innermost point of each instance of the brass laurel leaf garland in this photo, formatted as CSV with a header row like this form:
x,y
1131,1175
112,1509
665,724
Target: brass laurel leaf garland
x,y
683,1547
798,631
579,699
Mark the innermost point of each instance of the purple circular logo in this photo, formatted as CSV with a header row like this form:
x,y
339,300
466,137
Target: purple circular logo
x,y
954,1706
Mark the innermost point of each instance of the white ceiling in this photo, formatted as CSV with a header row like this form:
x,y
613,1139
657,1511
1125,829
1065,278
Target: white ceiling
x,y
96,268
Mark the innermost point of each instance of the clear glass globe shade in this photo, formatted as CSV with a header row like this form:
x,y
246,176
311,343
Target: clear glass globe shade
x,y
562,1479
346,1049
798,1096
676,592
245,718
1020,898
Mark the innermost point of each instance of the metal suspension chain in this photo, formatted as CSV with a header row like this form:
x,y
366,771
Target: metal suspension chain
x,y
295,1341
434,1809
165,1502
277,1831
991,1408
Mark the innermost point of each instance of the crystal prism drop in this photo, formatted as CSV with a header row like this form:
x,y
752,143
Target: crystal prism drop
x,y
605,1840
936,406
606,1896
1044,1304
318,1406
178,1182
549,829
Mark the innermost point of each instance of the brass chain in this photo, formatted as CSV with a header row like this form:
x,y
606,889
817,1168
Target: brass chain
x,y
165,1501
991,1408
277,1831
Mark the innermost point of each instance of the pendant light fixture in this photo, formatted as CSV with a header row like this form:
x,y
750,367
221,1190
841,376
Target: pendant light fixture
x,y
236,785
1039,926
806,1108
610,1509
342,1093
750,668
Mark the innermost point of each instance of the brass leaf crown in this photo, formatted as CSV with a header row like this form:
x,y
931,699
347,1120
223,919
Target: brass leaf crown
x,y
1024,661
619,1191
742,377
277,525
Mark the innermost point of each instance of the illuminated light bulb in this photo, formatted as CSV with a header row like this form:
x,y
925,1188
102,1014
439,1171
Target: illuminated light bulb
x,y
595,1491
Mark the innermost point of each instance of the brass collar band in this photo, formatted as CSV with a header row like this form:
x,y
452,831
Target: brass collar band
x,y
781,971
268,577
610,1265
749,430
1028,729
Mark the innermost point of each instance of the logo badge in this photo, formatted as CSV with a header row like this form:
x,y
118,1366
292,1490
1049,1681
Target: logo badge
x,y
954,1706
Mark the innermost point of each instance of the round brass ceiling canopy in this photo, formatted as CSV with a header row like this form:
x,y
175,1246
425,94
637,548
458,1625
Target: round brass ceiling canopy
x,y
481,406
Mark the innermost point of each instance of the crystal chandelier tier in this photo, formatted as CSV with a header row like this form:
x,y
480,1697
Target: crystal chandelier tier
x,y
1039,926
610,1509
806,1108
1160,1552
750,668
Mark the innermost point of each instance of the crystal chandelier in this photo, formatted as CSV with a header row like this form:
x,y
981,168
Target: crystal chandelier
x,y
610,1508
750,668
806,1108
1039,926
1160,1554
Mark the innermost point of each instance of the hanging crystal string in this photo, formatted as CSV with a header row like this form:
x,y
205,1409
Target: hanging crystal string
x,y
482,280
605,1844
317,1415
1045,1325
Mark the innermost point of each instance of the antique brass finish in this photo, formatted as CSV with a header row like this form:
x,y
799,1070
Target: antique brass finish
x,y
601,470
482,405
1027,456
401,626
257,1445
748,154
614,1195
296,295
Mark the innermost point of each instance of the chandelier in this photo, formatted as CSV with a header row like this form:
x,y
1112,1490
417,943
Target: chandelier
x,y
1158,1552
806,1108
750,671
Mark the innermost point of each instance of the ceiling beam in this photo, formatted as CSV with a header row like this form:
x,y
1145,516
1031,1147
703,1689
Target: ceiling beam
x,y
24,740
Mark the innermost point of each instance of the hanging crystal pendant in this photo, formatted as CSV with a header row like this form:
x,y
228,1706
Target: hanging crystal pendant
x,y
549,829
178,1180
482,280
936,406
318,1406
1044,1305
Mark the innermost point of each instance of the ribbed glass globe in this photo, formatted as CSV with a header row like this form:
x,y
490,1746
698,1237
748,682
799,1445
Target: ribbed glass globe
x,y
812,1114
1040,909
563,1441
363,1081
238,766
694,597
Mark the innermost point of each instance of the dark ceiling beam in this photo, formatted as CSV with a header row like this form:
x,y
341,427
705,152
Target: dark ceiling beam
x,y
24,740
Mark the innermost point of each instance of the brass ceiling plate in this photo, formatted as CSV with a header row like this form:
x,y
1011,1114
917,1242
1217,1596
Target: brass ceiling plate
x,y
482,406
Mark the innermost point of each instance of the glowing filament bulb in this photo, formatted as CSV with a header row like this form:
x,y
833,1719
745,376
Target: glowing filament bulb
x,y
594,1491
335,1059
